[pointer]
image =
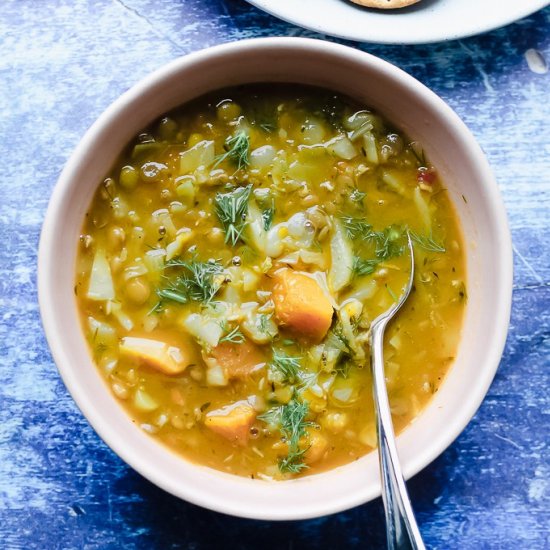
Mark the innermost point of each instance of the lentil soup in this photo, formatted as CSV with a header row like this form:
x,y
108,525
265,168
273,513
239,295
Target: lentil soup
x,y
230,265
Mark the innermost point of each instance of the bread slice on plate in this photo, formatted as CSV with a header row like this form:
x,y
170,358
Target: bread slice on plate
x,y
385,4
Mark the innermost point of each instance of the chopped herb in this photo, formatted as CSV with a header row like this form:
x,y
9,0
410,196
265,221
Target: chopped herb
x,y
293,463
231,209
363,267
288,342
234,336
357,196
292,423
237,149
199,283
427,242
176,292
389,243
285,369
357,228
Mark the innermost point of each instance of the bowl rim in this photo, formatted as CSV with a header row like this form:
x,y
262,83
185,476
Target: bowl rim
x,y
47,300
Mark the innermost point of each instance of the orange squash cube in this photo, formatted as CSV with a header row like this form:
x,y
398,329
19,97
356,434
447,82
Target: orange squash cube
x,y
300,305
232,422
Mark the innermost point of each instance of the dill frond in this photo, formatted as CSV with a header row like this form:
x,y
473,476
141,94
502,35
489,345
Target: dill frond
x,y
292,423
293,463
284,368
199,283
427,242
231,209
237,149
362,267
357,228
234,336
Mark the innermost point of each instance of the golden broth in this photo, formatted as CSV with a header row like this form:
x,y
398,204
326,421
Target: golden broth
x,y
231,263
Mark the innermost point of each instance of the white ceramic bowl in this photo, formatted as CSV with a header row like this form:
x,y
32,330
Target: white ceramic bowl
x,y
411,107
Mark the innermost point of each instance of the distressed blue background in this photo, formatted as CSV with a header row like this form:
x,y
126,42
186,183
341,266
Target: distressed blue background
x,y
61,64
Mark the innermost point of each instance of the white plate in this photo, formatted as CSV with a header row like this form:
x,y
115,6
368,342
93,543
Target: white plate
x,y
428,21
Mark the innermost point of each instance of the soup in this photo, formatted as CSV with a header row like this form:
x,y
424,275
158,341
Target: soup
x,y
231,264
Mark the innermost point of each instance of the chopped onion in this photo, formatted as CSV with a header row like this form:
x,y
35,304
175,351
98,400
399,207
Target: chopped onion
x,y
371,148
393,182
101,281
262,157
205,329
341,269
423,209
255,232
144,402
124,320
135,270
215,376
342,147
202,154
103,334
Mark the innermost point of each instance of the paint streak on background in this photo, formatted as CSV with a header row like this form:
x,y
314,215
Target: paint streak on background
x,y
62,62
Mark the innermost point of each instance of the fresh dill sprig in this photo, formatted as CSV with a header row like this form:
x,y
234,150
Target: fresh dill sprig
x,y
292,423
357,196
285,368
175,292
231,209
389,243
427,242
293,463
357,228
362,267
234,336
237,149
200,282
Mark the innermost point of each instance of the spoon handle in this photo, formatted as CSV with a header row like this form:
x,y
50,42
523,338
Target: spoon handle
x,y
401,527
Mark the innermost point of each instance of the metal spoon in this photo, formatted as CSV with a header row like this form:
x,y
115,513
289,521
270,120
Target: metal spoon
x,y
401,528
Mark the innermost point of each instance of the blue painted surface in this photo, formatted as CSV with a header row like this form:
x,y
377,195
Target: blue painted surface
x,y
61,63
